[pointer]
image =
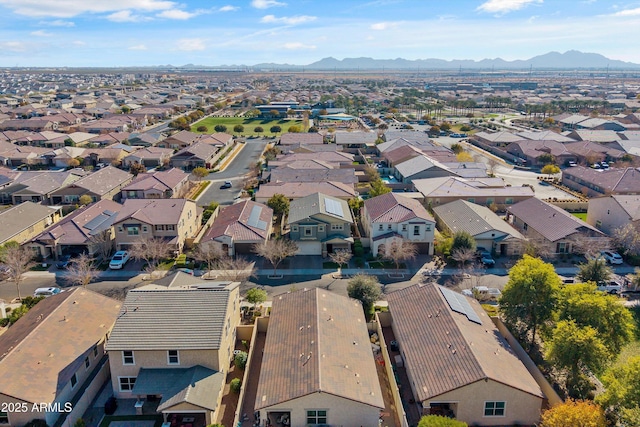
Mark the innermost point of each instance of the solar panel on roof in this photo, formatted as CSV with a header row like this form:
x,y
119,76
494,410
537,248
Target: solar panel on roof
x,y
95,222
254,219
460,304
333,207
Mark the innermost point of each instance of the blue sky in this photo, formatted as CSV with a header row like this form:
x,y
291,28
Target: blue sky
x,y
224,32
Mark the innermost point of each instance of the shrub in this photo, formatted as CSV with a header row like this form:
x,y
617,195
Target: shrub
x,y
240,360
235,385
201,128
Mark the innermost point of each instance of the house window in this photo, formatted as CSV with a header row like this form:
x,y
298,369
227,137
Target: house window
x,y
95,351
86,362
562,247
598,224
173,358
315,416
336,226
170,227
126,383
525,226
494,409
144,229
4,418
158,227
471,200
427,227
74,380
307,231
381,227
131,194
321,228
127,357
416,230
294,228
388,226
404,227
508,201
133,231
119,229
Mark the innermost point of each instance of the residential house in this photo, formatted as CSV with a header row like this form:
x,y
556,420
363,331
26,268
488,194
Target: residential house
x,y
105,183
150,157
494,138
175,220
239,227
422,167
38,187
356,139
594,182
23,222
297,190
394,217
483,191
146,139
54,357
198,155
172,183
335,159
601,136
175,358
553,230
85,230
588,152
536,152
609,213
470,372
316,175
179,140
547,135
317,365
320,224
488,229
287,139
16,156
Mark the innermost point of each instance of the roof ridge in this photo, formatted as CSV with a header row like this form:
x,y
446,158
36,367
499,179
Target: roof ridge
x,y
317,318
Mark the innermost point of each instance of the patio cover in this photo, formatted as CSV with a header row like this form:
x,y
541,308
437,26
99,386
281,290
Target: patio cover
x,y
198,386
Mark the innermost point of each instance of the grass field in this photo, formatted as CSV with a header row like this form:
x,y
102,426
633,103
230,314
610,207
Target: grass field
x,y
249,125
580,215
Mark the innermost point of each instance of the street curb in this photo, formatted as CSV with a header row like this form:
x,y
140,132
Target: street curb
x,y
227,160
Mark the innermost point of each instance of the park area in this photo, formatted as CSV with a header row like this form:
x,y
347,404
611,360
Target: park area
x,y
250,127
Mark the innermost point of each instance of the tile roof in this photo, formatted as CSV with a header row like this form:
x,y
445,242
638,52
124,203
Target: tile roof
x,y
552,222
444,350
162,180
614,180
392,207
234,221
464,188
171,318
418,164
630,204
152,211
40,352
317,341
461,215
199,150
547,135
20,217
295,190
347,176
347,138
104,180
301,138
316,203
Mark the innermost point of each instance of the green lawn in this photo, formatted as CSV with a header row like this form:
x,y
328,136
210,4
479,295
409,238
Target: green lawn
x,y
580,215
249,125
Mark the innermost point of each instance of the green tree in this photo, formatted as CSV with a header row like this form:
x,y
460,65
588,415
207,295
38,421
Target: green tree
x,y
275,129
125,109
530,296
574,413
258,129
200,172
235,385
85,199
238,128
585,305
463,240
550,169
201,128
457,148
577,350
378,188
220,128
365,289
279,203
546,159
445,126
294,129
208,211
240,360
594,270
621,397
256,296
313,129
440,421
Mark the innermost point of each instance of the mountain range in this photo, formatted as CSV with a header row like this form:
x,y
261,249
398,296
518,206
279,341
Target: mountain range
x,y
571,59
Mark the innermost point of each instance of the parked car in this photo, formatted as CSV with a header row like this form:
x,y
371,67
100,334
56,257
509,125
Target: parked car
x,y
5,271
544,183
227,184
63,261
46,292
119,260
485,257
572,164
612,257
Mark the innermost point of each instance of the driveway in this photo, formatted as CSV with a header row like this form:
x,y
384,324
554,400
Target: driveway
x,y
235,172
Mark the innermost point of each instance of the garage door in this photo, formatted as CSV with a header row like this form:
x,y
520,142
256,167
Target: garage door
x,y
244,248
309,248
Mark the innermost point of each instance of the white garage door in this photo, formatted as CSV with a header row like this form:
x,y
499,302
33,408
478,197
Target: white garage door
x,y
309,248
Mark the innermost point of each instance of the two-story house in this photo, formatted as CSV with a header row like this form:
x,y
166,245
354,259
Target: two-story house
x,y
173,345
320,224
173,183
103,184
54,356
26,220
172,219
392,216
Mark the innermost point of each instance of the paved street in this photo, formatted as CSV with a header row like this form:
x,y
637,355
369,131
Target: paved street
x,y
235,172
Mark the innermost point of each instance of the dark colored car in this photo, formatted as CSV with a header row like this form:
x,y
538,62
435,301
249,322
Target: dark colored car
x,y
63,261
227,184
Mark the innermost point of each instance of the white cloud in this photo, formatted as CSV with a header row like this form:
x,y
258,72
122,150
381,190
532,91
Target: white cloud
x,y
176,14
380,26
505,6
70,8
124,16
266,4
14,46
288,20
628,12
78,43
59,23
190,45
138,47
298,46
41,33
228,8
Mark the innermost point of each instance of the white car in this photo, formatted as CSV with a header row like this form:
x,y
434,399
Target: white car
x,y
46,292
119,259
612,257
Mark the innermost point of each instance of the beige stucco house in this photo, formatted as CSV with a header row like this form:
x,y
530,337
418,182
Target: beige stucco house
x,y
317,366
458,363
23,222
172,345
609,213
54,355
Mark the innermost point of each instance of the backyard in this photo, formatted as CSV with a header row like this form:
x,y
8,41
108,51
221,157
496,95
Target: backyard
x,y
248,124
